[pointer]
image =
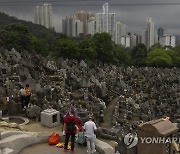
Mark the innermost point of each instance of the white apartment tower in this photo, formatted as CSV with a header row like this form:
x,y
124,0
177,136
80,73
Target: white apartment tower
x,y
133,40
91,26
121,30
150,33
106,22
68,26
143,37
106,17
79,28
43,15
126,41
84,17
71,26
167,40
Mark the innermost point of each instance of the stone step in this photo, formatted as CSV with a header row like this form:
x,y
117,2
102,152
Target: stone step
x,y
10,140
18,142
6,134
103,147
7,151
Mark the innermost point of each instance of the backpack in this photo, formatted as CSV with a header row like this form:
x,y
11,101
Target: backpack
x,y
28,91
71,125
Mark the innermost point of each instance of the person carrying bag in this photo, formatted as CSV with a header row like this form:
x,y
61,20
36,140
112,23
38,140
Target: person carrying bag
x,y
70,127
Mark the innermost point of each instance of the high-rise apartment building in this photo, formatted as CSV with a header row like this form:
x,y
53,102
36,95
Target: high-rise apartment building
x,y
78,28
133,40
91,29
168,40
143,36
84,17
138,39
160,32
150,33
121,30
72,27
43,15
77,24
126,41
156,38
106,22
68,26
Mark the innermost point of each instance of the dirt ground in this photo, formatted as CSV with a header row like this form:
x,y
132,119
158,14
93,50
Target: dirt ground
x,y
32,126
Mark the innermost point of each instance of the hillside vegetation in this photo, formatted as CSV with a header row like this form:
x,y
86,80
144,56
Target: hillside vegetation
x,y
23,35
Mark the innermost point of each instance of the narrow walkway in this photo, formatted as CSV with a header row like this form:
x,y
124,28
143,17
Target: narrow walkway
x,y
109,113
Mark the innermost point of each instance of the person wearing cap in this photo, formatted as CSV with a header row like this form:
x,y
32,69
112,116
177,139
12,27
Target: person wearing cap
x,y
90,128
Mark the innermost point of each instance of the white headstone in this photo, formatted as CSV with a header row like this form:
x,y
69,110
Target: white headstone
x,y
83,64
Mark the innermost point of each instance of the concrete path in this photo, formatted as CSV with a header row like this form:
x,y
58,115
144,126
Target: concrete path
x,y
108,114
46,149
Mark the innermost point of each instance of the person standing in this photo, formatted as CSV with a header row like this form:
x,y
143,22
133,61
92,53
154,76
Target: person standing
x,y
70,127
90,128
28,94
73,109
23,96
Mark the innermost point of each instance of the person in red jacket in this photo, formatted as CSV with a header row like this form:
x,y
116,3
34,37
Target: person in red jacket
x,y
70,127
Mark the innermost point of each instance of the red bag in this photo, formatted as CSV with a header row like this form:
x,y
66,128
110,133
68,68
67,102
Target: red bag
x,y
80,127
53,139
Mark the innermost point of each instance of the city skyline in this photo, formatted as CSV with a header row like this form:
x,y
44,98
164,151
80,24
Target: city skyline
x,y
105,21
134,16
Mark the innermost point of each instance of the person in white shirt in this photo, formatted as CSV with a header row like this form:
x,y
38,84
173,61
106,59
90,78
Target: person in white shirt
x,y
23,96
90,128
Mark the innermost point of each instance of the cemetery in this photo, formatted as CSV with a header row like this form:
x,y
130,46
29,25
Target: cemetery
x,y
141,98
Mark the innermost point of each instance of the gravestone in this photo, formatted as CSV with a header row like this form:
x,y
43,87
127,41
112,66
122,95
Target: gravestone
x,y
50,118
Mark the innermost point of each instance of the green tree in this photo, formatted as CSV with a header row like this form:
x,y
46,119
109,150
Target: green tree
x,y
48,39
86,49
104,47
175,57
16,36
39,46
66,48
121,56
177,50
159,58
139,55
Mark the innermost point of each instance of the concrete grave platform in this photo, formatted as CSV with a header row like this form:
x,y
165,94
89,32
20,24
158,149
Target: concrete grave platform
x,y
13,142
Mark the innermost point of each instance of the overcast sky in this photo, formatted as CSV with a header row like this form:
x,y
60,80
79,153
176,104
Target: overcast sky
x,y
133,13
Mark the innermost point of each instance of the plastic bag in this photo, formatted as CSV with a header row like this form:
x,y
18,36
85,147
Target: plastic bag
x,y
53,139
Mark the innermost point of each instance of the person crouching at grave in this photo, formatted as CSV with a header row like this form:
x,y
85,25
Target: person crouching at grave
x,y
28,93
22,94
70,127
